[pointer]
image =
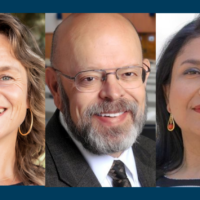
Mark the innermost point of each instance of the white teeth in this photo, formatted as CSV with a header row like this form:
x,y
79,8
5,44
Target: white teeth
x,y
111,114
2,110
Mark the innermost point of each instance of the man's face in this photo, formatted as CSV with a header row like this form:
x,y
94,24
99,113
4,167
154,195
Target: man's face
x,y
112,114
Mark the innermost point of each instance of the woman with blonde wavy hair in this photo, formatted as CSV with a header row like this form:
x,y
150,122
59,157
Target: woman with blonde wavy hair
x,y
22,105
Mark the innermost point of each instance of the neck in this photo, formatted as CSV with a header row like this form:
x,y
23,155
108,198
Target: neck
x,y
116,155
191,161
190,167
7,157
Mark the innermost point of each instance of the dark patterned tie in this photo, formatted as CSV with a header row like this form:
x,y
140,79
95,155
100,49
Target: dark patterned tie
x,y
118,174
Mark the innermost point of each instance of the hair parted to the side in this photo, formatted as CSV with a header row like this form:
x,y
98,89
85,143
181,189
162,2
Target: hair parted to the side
x,y
169,147
32,146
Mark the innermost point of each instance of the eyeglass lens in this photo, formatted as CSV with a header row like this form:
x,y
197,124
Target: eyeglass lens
x,y
92,80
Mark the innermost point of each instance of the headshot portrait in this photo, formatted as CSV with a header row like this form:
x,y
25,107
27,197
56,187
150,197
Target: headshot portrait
x,y
97,78
178,103
22,105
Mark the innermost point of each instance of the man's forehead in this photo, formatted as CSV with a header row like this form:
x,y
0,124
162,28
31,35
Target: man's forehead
x,y
92,18
91,23
80,32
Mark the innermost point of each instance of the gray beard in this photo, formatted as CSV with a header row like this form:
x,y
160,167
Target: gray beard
x,y
100,139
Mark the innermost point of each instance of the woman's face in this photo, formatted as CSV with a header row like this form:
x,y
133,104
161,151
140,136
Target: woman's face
x,y
13,90
184,91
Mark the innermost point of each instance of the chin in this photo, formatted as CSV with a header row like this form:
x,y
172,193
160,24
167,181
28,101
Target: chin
x,y
3,134
104,141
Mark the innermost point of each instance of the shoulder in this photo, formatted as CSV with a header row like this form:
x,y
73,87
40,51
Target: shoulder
x,y
162,182
56,141
168,182
56,135
145,150
144,153
63,158
145,145
53,123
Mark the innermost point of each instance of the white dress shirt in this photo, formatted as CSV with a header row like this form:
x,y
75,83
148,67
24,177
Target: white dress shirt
x,y
101,164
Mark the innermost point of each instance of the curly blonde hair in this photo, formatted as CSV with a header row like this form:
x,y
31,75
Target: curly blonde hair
x,y
31,147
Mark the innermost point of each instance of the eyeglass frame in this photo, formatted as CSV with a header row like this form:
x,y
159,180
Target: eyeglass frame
x,y
104,70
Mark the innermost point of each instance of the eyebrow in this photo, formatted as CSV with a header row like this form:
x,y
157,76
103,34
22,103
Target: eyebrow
x,y
191,61
8,68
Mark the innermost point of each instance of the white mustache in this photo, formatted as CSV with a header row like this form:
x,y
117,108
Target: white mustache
x,y
110,108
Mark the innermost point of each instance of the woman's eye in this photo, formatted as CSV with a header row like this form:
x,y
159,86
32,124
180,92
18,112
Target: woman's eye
x,y
6,78
192,72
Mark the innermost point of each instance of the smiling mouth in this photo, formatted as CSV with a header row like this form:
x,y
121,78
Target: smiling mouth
x,y
197,108
112,118
110,114
2,110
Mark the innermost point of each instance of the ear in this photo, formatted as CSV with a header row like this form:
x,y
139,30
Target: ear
x,y
51,81
166,90
146,62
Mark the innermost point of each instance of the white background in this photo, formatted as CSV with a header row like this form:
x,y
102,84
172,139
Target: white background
x,y
167,25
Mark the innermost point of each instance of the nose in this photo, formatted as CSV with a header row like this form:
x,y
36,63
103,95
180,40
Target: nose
x,y
111,89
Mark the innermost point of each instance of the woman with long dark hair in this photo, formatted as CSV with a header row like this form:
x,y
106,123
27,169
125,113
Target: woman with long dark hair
x,y
178,109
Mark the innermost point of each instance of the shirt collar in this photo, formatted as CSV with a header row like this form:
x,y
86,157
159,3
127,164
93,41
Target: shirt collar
x,y
101,164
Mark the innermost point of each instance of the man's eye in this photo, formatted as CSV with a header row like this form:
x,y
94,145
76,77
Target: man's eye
x,y
6,78
89,79
129,74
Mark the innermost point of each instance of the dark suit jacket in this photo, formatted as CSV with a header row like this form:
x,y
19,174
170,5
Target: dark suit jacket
x,y
65,165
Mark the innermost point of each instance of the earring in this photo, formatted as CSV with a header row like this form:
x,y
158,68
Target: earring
x,y
171,124
24,134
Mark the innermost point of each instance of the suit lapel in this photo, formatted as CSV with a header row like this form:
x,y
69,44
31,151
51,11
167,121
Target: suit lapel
x,y
71,166
142,173
145,161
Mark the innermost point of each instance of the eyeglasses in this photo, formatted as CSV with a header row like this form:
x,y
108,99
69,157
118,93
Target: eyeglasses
x,y
92,80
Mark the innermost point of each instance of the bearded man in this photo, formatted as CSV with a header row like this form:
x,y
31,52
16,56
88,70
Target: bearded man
x,y
98,79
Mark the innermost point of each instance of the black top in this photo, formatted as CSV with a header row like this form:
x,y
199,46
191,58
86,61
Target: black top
x,y
18,184
167,182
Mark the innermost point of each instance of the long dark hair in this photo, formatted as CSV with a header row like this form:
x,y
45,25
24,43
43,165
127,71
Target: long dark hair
x,y
169,147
